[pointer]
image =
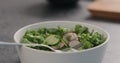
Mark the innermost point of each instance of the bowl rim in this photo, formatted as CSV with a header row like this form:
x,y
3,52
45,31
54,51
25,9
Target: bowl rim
x,y
85,50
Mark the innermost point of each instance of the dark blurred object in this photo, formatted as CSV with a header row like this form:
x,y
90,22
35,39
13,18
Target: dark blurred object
x,y
63,2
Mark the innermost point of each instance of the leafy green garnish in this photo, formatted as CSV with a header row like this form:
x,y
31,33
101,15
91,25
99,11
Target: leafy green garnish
x,y
42,30
84,39
61,31
32,36
80,29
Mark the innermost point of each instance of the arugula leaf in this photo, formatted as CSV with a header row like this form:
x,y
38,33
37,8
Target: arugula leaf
x,y
61,31
42,30
25,40
84,39
80,29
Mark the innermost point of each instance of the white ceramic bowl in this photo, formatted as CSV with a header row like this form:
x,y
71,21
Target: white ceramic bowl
x,y
29,55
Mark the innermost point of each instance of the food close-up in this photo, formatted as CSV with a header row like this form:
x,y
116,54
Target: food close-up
x,y
61,38
59,31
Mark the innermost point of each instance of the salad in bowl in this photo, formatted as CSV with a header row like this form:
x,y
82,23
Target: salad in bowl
x,y
90,41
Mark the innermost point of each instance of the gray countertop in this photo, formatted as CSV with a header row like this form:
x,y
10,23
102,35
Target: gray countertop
x,y
15,14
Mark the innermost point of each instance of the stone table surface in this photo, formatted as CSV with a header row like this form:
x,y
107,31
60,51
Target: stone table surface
x,y
15,14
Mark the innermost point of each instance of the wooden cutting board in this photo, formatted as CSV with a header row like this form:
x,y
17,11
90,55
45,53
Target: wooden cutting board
x,y
105,8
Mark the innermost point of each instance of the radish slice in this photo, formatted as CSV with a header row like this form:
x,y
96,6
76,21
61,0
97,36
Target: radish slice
x,y
75,44
70,36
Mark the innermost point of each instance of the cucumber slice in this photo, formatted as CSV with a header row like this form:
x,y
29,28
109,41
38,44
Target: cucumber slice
x,y
52,40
